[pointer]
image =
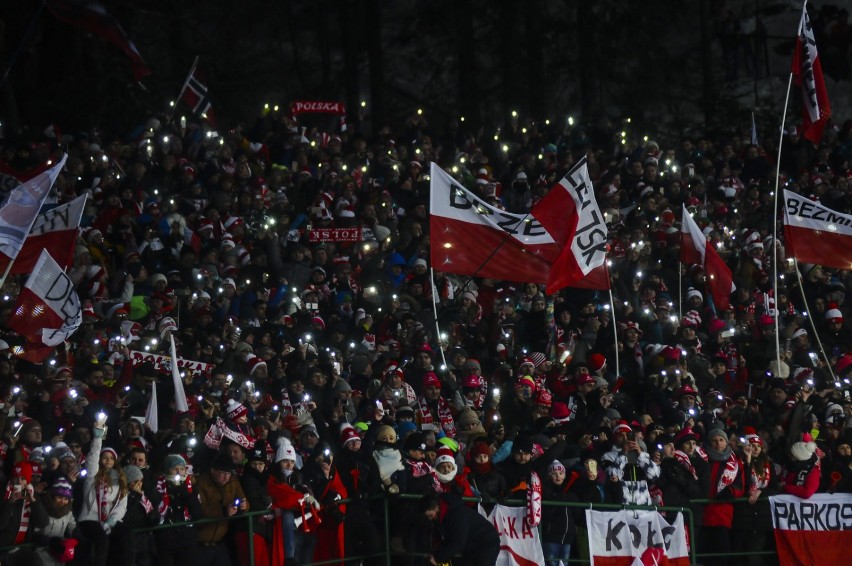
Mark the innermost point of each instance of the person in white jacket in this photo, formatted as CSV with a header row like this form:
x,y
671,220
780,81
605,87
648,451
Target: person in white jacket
x,y
53,522
104,498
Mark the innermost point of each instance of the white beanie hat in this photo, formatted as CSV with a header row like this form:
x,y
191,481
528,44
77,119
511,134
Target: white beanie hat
x,y
285,450
803,450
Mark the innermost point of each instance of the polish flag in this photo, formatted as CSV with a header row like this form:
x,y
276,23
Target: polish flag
x,y
695,249
21,207
816,234
47,312
570,213
54,230
807,74
93,17
471,237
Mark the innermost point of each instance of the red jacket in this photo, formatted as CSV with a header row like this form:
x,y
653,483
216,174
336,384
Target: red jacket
x,y
722,514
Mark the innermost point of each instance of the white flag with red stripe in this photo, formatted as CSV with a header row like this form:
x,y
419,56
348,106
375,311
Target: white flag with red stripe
x,y
54,230
814,233
18,212
471,237
571,214
48,310
807,74
695,249
816,531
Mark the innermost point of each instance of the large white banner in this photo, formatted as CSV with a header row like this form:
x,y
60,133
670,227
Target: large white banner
x,y
520,544
635,538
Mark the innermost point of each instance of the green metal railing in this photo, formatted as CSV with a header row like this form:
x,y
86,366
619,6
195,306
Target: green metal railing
x,y
386,553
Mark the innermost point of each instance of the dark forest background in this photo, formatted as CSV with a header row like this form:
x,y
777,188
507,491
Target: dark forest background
x,y
669,64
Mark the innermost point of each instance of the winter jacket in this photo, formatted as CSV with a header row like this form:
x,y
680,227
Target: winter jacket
x,y
117,506
215,501
557,522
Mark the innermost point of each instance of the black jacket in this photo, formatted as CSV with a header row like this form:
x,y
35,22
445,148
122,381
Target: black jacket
x,y
464,531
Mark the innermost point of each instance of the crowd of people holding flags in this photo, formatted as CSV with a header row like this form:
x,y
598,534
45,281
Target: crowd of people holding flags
x,y
202,324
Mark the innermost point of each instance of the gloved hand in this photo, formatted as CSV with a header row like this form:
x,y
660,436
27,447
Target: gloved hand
x,y
107,528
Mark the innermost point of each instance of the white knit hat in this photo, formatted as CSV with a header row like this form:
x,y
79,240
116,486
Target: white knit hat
x,y
285,450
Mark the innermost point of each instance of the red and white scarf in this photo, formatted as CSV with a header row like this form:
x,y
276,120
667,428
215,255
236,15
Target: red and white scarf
x,y
421,468
534,500
102,490
444,415
684,461
23,527
759,477
166,500
729,474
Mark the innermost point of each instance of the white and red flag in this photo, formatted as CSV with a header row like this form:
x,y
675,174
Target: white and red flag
x,y
695,249
93,17
814,233
471,237
48,310
21,207
816,531
570,213
807,74
54,230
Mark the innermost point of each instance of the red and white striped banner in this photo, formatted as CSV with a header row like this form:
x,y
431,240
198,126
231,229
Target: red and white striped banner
x,y
812,531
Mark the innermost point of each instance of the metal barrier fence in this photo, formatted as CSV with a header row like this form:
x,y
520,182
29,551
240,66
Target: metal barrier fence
x,y
387,554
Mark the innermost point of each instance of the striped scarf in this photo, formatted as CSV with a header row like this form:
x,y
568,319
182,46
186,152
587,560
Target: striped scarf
x,y
444,415
24,525
166,500
684,461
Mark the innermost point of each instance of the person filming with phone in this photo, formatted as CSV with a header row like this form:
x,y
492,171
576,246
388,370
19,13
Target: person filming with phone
x,y
629,469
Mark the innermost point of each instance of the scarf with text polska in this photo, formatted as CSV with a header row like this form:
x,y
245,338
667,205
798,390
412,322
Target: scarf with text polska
x,y
444,415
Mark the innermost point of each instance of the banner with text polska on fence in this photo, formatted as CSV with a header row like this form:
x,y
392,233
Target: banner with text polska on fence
x,y
812,531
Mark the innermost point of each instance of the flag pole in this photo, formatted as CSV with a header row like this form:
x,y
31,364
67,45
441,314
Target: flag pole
x,y
182,89
614,333
775,224
435,310
811,319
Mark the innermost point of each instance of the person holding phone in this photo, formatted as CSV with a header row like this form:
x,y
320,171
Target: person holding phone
x,y
220,495
629,469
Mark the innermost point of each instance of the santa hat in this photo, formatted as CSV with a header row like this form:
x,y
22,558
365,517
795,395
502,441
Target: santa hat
x,y
445,455
752,437
284,450
232,221
560,412
596,363
236,409
833,314
253,363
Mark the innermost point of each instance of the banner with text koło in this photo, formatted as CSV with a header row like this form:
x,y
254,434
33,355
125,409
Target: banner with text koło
x,y
520,544
628,538
812,531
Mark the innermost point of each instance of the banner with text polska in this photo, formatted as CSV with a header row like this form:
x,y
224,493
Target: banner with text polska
x,y
163,363
624,538
520,544
812,531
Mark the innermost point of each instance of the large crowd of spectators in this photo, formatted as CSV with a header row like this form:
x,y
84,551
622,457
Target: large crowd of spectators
x,y
325,379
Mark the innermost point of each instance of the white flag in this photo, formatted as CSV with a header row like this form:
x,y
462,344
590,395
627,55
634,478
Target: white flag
x,y
180,395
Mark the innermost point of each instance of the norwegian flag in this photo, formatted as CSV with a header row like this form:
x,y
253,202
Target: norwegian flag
x,y
195,95
807,74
